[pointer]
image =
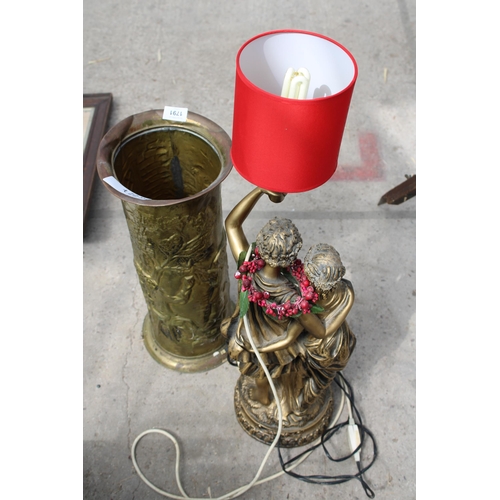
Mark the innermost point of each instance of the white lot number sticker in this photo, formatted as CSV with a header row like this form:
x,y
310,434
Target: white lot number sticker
x,y
175,114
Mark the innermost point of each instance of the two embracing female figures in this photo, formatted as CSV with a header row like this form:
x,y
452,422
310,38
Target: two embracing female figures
x,y
296,312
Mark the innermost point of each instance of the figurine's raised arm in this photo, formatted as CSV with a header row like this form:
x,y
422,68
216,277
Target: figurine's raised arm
x,y
235,235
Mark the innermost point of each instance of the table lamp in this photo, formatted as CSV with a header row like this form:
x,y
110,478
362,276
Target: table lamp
x,y
292,95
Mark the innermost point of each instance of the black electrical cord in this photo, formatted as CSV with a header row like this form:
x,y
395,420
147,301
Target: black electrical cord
x,y
229,359
326,436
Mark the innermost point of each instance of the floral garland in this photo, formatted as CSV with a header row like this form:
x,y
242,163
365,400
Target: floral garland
x,y
304,304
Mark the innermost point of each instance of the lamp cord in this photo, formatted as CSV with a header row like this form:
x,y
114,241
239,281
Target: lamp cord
x,y
356,446
230,495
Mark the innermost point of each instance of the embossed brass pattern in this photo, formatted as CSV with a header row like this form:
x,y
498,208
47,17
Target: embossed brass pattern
x,y
178,239
261,421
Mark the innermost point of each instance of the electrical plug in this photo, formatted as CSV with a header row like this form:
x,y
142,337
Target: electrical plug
x,y
354,438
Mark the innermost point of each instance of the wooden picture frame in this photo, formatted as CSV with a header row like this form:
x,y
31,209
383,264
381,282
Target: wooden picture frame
x,y
96,109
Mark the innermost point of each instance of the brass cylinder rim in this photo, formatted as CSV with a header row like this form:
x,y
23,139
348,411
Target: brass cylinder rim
x,y
151,121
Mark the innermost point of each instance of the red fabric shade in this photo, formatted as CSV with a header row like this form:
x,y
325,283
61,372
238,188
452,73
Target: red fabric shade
x,y
290,145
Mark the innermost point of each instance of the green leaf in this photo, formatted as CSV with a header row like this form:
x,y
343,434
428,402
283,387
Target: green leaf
x,y
244,303
243,254
241,258
316,309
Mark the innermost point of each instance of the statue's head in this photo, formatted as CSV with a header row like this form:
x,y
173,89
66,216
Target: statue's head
x,y
323,267
279,242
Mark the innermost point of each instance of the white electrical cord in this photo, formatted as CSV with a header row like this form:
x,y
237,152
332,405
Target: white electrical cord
x,y
255,481
236,492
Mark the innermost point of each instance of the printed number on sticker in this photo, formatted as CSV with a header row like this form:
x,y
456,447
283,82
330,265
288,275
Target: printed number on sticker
x,y
175,114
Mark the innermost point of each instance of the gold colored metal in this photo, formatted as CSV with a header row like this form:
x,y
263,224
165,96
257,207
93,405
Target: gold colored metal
x,y
177,234
302,353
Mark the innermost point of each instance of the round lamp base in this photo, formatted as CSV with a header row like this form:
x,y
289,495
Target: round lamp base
x,y
299,428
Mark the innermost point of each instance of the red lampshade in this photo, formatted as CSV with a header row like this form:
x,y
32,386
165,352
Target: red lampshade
x,y
283,144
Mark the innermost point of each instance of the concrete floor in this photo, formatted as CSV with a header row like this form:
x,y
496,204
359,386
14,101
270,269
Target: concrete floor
x,y
150,54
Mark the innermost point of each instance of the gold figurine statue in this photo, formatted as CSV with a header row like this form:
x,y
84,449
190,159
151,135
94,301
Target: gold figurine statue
x,y
296,315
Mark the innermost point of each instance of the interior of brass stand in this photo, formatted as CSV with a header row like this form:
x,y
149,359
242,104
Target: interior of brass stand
x,y
166,164
177,234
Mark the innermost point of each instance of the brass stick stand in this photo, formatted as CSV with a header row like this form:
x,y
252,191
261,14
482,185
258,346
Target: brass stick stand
x,y
168,177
